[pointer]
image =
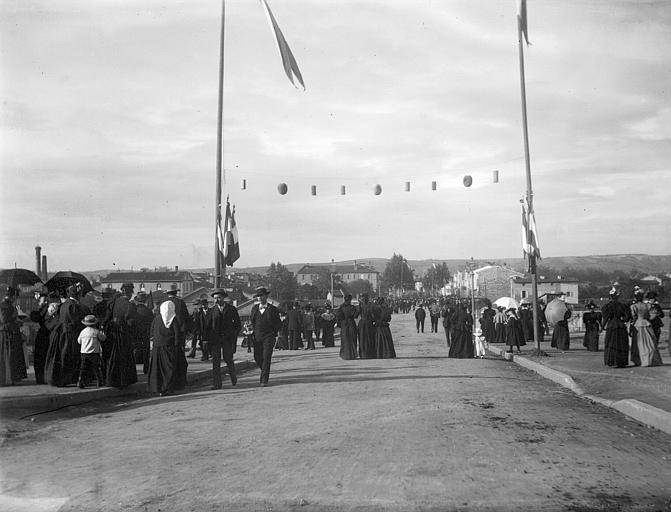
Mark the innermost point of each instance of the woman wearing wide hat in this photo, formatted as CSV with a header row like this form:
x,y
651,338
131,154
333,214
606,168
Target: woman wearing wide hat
x,y
616,342
592,322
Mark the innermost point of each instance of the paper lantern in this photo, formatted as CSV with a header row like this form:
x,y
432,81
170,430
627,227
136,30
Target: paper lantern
x,y
342,190
244,184
314,190
468,181
377,189
496,176
433,185
407,186
282,188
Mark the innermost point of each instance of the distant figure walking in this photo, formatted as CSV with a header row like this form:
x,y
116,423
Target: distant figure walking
x,y
462,346
346,317
420,316
328,320
642,334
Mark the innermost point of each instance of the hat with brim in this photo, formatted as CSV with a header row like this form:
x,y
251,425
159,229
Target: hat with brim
x,y
261,291
219,291
173,290
90,320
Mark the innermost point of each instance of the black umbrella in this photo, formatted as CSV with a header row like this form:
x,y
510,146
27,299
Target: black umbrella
x,y
16,276
61,280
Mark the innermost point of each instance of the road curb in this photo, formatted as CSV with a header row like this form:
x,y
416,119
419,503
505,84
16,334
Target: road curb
x,y
635,409
81,396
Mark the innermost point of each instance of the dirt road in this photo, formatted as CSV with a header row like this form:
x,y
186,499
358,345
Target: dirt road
x,y
421,432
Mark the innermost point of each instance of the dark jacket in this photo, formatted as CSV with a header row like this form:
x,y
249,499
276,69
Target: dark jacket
x,y
267,324
420,313
222,326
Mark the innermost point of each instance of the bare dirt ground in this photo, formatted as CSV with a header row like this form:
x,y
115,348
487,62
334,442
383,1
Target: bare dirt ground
x,y
421,432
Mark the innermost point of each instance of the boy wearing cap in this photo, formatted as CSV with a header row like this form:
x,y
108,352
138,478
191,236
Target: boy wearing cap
x,y
90,339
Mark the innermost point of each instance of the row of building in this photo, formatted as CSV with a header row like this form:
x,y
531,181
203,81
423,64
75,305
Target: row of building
x,y
490,281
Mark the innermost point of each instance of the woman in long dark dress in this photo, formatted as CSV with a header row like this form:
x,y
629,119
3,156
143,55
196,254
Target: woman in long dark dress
x,y
384,343
63,358
462,346
164,348
346,317
500,321
366,328
327,322
616,342
487,323
561,338
592,321
39,316
119,328
12,362
514,331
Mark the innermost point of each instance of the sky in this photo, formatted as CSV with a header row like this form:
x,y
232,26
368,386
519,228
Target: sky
x,y
109,118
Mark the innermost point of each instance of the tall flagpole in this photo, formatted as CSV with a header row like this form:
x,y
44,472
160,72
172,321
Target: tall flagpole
x,y
220,151
530,194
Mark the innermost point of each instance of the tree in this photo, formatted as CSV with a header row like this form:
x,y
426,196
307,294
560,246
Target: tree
x,y
358,287
322,281
282,283
436,276
397,274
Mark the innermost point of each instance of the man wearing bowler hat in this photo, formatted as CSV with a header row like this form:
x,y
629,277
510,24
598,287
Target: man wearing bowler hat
x,y
223,325
266,322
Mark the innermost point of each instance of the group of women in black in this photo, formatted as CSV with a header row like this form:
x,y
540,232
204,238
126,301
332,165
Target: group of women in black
x,y
370,338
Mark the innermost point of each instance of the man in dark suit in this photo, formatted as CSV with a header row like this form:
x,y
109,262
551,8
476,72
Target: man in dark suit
x,y
295,326
223,325
266,321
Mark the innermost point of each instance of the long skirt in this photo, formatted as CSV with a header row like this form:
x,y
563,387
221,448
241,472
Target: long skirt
x,y
6,377
62,363
616,348
161,372
591,340
121,370
384,344
560,336
366,340
648,355
499,333
348,335
327,336
462,346
40,354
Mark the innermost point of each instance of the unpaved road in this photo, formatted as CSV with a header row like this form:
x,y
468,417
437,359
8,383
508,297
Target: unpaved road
x,y
421,432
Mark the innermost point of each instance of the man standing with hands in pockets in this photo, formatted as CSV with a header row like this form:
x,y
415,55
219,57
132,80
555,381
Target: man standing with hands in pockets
x,y
223,324
266,322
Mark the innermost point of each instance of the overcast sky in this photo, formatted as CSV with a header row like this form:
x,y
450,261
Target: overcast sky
x,y
108,139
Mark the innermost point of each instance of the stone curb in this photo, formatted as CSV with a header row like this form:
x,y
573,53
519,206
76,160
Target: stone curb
x,y
635,409
56,401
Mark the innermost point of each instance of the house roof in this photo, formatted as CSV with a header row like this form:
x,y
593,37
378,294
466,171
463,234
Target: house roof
x,y
163,277
544,279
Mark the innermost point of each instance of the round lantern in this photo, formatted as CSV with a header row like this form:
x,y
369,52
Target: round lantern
x,y
282,188
377,189
468,181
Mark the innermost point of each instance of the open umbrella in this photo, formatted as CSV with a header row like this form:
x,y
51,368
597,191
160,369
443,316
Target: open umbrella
x,y
555,311
16,276
61,280
506,303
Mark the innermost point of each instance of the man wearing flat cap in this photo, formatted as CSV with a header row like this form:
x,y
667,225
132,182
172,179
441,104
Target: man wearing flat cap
x,y
223,325
266,322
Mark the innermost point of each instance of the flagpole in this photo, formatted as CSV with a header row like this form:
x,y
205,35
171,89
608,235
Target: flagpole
x,y
530,195
220,150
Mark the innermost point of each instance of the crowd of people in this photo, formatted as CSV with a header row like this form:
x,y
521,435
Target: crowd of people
x,y
75,345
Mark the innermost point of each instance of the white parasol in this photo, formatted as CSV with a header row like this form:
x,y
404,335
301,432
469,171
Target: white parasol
x,y
506,303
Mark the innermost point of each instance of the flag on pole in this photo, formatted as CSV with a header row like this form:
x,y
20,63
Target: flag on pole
x,y
288,60
529,233
522,16
227,237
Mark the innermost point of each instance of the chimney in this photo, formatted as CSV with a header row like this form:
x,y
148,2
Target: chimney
x,y
45,275
176,268
38,260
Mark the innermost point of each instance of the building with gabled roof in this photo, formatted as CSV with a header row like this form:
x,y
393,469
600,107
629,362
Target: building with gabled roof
x,y
349,272
151,281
